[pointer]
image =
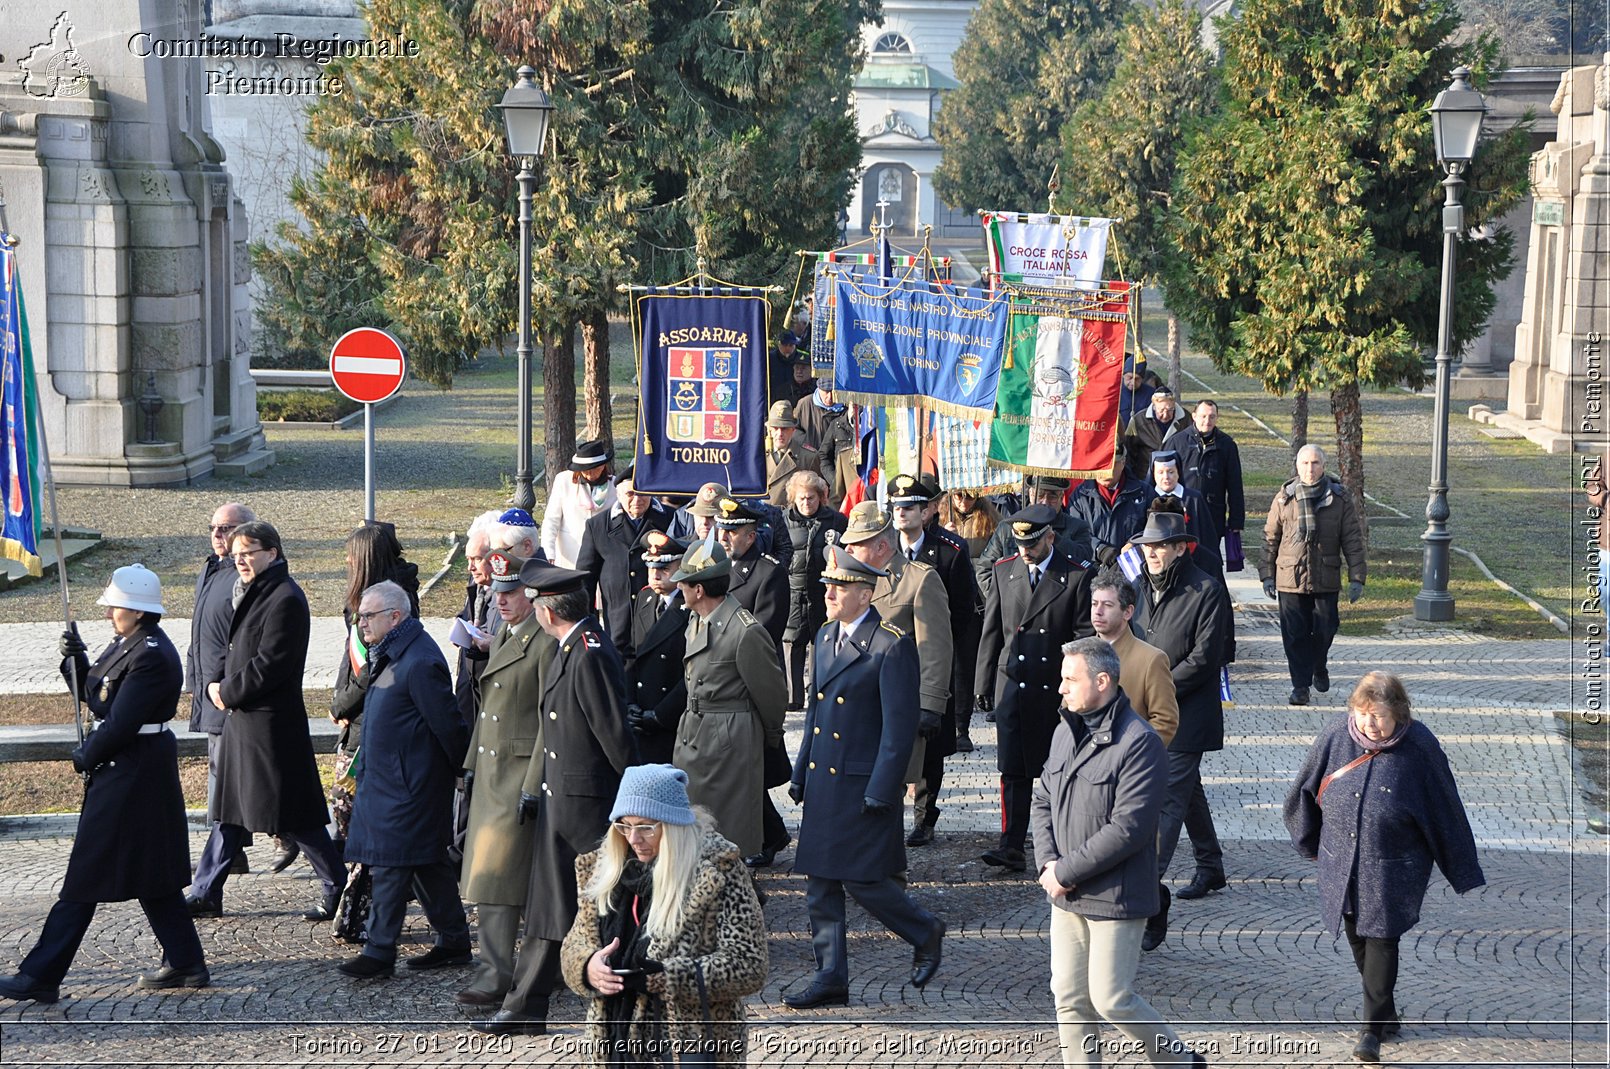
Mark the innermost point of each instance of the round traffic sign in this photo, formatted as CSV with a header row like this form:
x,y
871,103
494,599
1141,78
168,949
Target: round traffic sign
x,y
367,364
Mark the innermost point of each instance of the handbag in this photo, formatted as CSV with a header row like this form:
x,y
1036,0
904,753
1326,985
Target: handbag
x,y
1235,558
704,1054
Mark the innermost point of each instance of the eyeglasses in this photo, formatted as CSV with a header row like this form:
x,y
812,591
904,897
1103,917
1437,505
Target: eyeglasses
x,y
221,528
628,831
248,554
365,617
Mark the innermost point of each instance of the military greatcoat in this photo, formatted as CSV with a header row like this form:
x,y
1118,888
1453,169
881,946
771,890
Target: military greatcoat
x,y
735,698
760,583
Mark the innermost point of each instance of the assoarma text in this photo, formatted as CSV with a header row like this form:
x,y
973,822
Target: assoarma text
x,y
688,454
718,335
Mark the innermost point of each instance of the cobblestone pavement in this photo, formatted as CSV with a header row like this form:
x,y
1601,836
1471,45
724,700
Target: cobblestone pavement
x,y
1511,974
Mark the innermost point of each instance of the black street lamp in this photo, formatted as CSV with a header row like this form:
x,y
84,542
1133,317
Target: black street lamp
x,y
1456,124
526,110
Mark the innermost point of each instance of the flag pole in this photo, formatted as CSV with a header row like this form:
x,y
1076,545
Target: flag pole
x,y
11,241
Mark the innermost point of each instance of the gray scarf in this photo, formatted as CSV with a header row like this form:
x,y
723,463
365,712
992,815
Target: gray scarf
x,y
1308,498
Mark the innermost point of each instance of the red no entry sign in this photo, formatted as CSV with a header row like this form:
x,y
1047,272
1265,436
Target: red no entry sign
x,y
367,364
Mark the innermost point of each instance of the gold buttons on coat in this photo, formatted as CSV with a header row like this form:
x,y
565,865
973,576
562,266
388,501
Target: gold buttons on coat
x,y
553,716
816,731
840,699
820,695
832,772
813,765
835,734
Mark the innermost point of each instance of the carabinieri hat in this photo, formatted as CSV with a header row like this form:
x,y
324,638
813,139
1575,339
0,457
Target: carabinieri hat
x,y
701,563
867,522
908,490
1163,527
1028,525
542,579
659,549
732,513
844,569
505,571
590,455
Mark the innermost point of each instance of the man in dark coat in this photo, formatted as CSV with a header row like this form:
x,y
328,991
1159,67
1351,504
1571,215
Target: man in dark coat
x,y
615,572
478,611
131,840
1187,615
209,640
812,526
413,747
1039,599
759,580
1114,507
691,522
849,776
587,746
1147,429
1073,530
1210,464
268,780
656,691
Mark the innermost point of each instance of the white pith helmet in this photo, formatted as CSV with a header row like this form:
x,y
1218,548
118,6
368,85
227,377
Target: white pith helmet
x,y
134,587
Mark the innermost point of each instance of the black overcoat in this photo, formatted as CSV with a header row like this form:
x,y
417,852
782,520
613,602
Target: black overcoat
x,y
1111,526
760,583
413,748
132,839
268,780
860,724
1212,467
1192,623
587,746
209,639
1020,654
615,571
810,535
1074,541
947,554
654,677
478,610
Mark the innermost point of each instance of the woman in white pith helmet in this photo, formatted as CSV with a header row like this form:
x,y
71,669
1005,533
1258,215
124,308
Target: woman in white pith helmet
x,y
132,840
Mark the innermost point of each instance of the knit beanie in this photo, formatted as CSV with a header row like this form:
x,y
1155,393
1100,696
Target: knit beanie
x,y
653,792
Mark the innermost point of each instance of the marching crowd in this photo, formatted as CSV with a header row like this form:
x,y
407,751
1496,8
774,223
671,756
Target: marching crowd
x,y
594,773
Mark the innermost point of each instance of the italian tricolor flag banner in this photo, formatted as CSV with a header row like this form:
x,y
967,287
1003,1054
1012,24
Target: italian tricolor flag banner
x,y
1056,408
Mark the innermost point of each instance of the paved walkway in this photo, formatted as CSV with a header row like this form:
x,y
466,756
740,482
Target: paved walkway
x,y
1511,974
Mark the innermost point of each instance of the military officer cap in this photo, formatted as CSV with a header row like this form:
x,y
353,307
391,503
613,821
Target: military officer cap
x,y
541,579
1028,525
505,571
782,415
732,513
1049,482
908,490
867,521
659,549
844,569
702,562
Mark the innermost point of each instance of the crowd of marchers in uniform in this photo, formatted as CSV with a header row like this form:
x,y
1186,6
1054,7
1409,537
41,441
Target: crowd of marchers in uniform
x,y
594,775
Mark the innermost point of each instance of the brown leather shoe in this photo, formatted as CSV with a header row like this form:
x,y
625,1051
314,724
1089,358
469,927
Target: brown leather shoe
x,y
471,997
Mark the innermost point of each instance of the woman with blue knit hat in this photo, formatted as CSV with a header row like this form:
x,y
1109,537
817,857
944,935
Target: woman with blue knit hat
x,y
669,937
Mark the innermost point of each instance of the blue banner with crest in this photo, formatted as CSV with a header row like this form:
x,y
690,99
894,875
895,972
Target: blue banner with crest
x,y
908,342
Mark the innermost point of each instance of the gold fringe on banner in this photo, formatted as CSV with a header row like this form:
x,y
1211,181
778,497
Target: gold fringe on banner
x,y
915,400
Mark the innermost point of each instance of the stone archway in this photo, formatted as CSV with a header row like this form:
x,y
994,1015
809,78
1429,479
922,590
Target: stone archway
x,y
896,184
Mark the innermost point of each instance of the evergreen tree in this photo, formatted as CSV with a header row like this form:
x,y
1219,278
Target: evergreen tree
x,y
1025,66
1308,216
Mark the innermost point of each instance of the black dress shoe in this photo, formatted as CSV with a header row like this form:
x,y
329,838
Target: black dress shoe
x,y
25,988
471,997
1157,924
989,717
1298,696
925,959
200,907
1200,885
438,957
1368,1047
921,835
326,908
169,977
365,967
284,859
817,994
964,742
509,1023
1322,679
1006,858
762,859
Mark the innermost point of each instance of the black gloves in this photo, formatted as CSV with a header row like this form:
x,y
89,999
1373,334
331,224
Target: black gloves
x,y
528,807
873,807
469,781
80,762
643,721
985,702
928,725
1107,555
71,645
1269,590
796,791
1355,590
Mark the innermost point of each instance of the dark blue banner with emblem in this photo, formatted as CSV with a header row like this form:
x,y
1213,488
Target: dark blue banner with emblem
x,y
702,369
912,342
19,424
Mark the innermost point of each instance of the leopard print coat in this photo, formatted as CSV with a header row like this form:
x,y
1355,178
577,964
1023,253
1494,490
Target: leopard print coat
x,y
725,933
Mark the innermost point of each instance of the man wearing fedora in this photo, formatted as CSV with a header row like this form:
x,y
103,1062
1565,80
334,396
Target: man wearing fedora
x,y
655,692
1038,600
786,453
735,697
1186,614
575,495
859,725
586,745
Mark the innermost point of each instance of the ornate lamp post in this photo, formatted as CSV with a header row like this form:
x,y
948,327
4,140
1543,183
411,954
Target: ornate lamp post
x,y
1456,124
526,110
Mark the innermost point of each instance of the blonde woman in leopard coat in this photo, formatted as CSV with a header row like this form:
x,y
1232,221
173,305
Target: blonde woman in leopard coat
x,y
665,901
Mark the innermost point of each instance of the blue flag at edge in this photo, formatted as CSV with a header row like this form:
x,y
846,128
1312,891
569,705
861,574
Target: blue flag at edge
x,y
19,406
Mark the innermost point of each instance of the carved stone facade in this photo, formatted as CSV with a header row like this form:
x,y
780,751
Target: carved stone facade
x,y
132,243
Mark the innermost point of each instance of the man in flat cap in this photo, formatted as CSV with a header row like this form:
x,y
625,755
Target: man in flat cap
x,y
1187,615
1073,532
574,496
655,691
499,768
615,571
735,698
1039,599
910,596
858,730
586,745
759,580
786,453
1147,429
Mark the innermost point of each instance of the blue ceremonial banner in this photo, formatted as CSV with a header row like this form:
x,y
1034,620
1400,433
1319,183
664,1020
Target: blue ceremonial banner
x,y
910,343
19,405
702,369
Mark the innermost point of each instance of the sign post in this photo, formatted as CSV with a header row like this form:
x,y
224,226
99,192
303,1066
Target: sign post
x,y
368,366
